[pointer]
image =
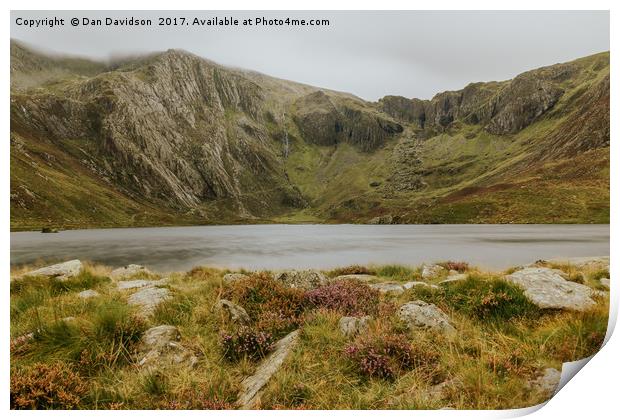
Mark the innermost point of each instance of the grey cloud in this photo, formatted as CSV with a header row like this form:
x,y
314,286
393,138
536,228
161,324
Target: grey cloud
x,y
370,54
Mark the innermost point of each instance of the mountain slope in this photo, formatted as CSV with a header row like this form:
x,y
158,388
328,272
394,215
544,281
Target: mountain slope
x,y
173,138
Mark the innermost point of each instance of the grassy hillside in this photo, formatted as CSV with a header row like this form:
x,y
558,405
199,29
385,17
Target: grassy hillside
x,y
86,352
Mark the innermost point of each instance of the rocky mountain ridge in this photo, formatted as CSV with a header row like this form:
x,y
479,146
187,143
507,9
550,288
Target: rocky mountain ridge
x,y
178,138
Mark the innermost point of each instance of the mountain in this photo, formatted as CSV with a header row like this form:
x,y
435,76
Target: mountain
x,y
172,138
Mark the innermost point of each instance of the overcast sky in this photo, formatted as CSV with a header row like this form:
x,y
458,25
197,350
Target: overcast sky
x,y
370,54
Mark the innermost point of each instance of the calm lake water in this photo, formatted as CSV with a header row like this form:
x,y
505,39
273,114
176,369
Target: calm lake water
x,y
316,246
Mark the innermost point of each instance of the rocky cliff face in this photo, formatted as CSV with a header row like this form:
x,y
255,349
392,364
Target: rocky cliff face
x,y
187,136
177,129
325,121
502,108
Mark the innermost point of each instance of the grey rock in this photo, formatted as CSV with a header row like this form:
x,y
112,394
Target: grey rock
x,y
599,263
387,219
604,282
304,279
351,325
438,391
251,386
425,316
453,278
148,299
364,278
412,284
392,288
21,340
160,345
547,289
431,270
137,284
548,382
233,277
235,312
61,271
128,271
87,294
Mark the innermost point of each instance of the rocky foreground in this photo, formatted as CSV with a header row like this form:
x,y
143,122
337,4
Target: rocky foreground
x,y
438,336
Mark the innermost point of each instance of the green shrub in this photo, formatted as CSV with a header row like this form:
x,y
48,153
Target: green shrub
x,y
386,356
177,311
155,383
246,342
459,266
349,297
578,338
600,274
106,339
489,300
273,307
351,269
46,386
397,272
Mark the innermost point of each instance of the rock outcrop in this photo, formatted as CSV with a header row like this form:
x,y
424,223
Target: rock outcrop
x,y
87,294
302,279
139,283
432,270
61,271
128,271
161,346
234,312
548,289
364,278
392,288
411,284
251,386
547,383
352,325
419,315
326,121
233,277
148,298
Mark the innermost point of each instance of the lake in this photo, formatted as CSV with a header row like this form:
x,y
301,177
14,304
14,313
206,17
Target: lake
x,y
312,246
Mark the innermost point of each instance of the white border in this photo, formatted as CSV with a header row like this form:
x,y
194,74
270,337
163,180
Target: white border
x,y
592,395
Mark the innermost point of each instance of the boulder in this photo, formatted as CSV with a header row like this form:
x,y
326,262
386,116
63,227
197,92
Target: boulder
x,y
438,391
61,271
431,270
305,279
148,299
235,312
160,345
454,277
21,340
137,284
547,289
547,382
364,278
251,386
425,316
387,219
392,288
352,325
604,282
87,294
412,284
593,263
128,271
233,277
